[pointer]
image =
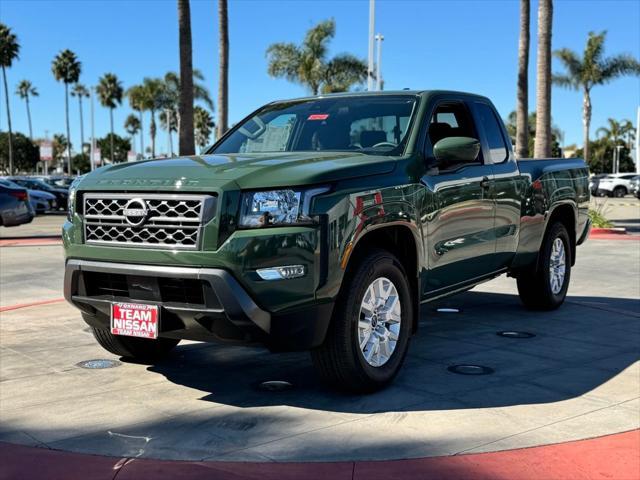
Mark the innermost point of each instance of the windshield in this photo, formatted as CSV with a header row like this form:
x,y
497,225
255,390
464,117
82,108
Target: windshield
x,y
375,125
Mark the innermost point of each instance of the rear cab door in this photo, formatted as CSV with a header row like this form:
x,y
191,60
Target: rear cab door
x,y
507,183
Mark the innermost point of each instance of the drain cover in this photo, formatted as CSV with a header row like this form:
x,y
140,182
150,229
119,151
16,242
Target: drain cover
x,y
98,364
510,334
470,369
448,310
275,386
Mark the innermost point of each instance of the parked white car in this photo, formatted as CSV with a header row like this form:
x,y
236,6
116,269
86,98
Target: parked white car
x,y
615,184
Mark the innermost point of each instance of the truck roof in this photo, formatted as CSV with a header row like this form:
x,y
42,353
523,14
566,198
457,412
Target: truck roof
x,y
383,93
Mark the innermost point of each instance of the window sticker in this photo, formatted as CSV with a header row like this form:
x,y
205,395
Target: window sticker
x,y
318,116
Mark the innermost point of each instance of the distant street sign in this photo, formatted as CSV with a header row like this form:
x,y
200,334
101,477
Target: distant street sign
x,y
97,158
46,151
131,156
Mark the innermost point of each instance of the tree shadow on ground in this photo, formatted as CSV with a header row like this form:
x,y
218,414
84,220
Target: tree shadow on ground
x,y
575,350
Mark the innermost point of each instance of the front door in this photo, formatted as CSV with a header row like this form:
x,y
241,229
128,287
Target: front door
x,y
459,209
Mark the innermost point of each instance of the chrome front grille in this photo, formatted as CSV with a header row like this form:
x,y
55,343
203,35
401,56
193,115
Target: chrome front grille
x,y
146,220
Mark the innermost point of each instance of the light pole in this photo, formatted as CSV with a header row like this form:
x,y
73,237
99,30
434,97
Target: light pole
x,y
617,165
638,142
93,135
379,39
372,14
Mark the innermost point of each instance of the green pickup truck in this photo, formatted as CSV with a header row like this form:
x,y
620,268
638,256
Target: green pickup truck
x,y
321,224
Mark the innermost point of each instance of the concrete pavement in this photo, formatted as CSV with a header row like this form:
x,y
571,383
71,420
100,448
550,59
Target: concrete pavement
x,y
579,377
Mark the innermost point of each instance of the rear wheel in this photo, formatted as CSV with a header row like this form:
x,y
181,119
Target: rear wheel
x,y
140,349
619,192
545,286
369,333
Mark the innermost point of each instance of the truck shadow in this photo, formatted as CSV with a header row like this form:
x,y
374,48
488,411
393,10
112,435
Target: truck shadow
x,y
574,350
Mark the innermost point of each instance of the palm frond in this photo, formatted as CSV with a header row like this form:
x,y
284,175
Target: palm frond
x,y
284,60
570,60
342,72
317,38
565,81
618,66
9,46
66,67
595,48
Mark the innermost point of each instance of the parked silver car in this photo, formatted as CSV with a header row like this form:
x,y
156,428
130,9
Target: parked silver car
x,y
15,208
41,201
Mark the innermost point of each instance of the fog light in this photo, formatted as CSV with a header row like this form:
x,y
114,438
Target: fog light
x,y
281,273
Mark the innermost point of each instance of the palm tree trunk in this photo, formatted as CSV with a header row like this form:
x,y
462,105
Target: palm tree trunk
x,y
26,99
152,133
111,143
141,135
185,107
522,124
6,96
223,83
81,126
542,147
586,122
66,110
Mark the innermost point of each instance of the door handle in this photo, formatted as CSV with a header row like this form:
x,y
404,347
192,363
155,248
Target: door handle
x,y
485,182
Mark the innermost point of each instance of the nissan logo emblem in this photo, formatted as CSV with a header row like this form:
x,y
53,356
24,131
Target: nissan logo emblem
x,y
135,212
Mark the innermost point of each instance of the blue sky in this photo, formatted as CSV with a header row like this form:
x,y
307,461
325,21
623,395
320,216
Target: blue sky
x,y
463,45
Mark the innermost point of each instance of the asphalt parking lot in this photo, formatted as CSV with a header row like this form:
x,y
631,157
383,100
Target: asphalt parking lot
x,y
578,377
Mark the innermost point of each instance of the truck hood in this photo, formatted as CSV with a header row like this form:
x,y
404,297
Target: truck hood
x,y
238,171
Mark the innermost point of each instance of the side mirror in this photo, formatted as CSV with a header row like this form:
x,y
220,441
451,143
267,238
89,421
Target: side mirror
x,y
456,150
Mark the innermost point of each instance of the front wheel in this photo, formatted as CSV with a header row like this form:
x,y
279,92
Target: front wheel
x,y
544,287
143,350
369,333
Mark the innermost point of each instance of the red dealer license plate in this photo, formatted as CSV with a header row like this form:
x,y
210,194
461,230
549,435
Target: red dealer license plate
x,y
135,320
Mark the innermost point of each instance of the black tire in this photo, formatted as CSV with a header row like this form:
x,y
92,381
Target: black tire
x,y
142,350
619,192
339,360
534,285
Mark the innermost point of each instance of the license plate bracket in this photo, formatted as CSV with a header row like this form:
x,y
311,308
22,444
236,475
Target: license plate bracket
x,y
141,320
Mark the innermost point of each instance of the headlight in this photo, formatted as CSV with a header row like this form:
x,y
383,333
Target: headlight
x,y
71,199
276,207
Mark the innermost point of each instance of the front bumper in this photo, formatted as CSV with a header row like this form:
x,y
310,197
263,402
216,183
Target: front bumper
x,y
224,312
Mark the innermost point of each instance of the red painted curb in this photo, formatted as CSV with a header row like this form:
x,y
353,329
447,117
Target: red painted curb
x,y
32,242
612,236
608,457
30,304
615,231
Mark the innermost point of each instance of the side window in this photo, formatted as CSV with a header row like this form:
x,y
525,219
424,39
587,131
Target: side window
x,y
451,119
497,148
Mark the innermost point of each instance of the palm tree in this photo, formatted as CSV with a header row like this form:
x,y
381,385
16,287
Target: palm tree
x,y
522,130
186,145
60,145
153,98
137,102
542,146
66,69
9,50
25,91
223,82
170,96
132,126
591,70
203,124
168,122
110,93
616,131
307,64
81,92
